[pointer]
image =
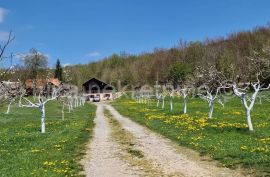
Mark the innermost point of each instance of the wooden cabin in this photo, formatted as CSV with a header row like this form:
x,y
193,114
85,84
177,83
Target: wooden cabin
x,y
95,87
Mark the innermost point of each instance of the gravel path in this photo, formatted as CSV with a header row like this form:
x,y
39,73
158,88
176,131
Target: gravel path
x,y
103,159
102,154
172,158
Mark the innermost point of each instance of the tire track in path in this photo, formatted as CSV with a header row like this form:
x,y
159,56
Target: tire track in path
x,y
102,156
172,158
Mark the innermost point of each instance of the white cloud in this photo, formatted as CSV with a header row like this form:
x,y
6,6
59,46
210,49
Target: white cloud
x,y
20,56
67,64
93,54
4,36
3,13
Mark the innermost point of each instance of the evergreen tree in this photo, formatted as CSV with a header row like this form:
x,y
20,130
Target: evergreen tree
x,y
58,73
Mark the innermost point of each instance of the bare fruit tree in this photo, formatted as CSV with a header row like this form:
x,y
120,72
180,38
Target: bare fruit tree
x,y
12,91
40,104
210,82
68,98
158,94
184,92
185,88
163,93
171,92
248,102
260,66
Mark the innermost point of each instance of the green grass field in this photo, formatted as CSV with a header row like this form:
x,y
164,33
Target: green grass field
x,y
225,138
24,151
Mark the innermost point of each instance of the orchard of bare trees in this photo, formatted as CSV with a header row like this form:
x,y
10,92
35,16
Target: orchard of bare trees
x,y
214,86
238,64
13,90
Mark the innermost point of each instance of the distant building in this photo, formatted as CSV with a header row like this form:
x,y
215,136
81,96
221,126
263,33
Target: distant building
x,y
95,87
41,85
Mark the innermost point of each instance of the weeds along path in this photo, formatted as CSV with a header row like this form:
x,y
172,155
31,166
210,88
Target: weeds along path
x,y
102,156
172,159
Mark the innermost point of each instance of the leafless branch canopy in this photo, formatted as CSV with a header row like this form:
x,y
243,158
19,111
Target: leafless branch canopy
x,y
5,45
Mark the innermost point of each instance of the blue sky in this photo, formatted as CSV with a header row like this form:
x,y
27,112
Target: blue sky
x,y
87,30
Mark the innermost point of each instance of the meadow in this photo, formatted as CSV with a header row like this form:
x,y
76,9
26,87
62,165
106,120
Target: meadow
x,y
225,137
24,151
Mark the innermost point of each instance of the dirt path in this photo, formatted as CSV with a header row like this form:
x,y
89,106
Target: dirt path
x,y
113,136
172,158
102,155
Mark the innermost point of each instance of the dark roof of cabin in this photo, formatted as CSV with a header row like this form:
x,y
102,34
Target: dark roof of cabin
x,y
99,82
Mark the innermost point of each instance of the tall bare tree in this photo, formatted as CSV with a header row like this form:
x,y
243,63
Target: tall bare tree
x,y
4,46
209,82
34,62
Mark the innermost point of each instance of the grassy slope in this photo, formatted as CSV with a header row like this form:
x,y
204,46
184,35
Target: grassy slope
x,y
225,138
24,151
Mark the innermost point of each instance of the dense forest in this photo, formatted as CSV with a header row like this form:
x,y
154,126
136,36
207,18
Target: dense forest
x,y
229,55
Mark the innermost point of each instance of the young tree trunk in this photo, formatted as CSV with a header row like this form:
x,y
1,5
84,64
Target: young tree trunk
x,y
74,102
248,108
71,106
211,109
83,101
42,109
185,104
163,98
171,103
250,127
63,113
80,102
8,108
157,103
20,101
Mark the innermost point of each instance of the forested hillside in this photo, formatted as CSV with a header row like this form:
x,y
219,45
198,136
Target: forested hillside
x,y
229,55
